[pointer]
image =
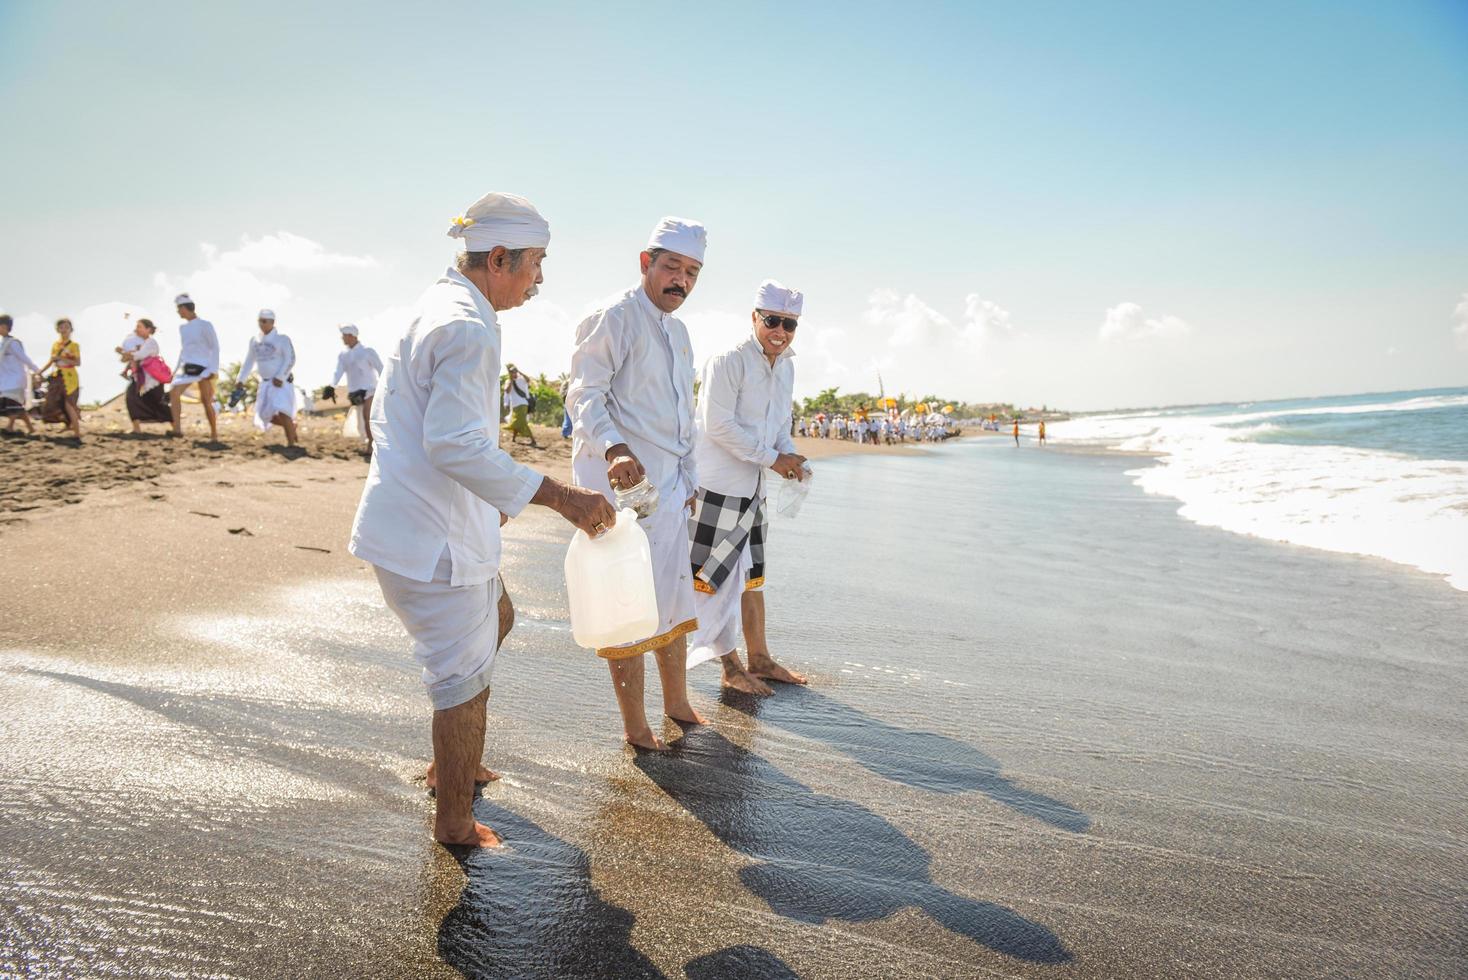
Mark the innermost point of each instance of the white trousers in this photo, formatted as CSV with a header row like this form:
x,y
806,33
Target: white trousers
x,y
269,400
719,618
454,630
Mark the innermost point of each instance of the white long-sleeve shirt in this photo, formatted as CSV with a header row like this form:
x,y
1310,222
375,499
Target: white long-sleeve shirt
x,y
14,364
632,381
517,392
198,344
438,476
361,365
272,354
743,417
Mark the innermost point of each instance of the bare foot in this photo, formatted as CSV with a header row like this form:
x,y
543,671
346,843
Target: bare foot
x,y
481,776
684,713
766,669
476,835
646,741
742,681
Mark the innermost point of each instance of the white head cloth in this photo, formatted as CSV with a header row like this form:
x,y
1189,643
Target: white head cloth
x,y
348,328
267,315
680,235
500,219
777,299
182,299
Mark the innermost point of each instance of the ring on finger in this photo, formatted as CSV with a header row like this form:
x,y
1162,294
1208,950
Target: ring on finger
x,y
599,527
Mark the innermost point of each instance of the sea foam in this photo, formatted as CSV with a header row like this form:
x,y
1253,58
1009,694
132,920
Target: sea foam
x,y
1345,499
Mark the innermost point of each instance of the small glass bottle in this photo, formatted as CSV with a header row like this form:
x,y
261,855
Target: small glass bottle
x,y
642,499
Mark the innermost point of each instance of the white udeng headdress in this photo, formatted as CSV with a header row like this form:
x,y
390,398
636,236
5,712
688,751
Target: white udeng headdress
x,y
500,219
266,315
348,328
680,235
777,299
182,299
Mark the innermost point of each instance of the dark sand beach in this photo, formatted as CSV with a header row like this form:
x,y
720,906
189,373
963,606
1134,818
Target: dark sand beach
x,y
1053,730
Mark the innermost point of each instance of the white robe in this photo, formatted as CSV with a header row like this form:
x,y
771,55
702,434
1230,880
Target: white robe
x,y
273,356
632,382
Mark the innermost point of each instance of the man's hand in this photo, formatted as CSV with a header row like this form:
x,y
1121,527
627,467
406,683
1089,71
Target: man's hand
x,y
587,509
625,470
789,465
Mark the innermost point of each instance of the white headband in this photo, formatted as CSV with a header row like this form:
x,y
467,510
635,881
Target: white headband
x,y
777,299
267,315
680,235
348,328
500,219
182,299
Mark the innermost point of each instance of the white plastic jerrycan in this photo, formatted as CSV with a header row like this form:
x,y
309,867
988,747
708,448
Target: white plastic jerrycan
x,y
609,582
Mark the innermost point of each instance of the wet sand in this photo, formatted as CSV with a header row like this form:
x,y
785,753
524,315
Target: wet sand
x,y
1053,730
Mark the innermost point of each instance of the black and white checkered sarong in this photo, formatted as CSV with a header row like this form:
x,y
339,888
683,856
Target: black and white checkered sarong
x,y
718,530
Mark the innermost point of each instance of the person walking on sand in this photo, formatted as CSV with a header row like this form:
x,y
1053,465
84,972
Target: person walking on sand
x,y
743,424
198,364
272,355
64,387
146,399
439,486
1016,432
517,400
16,367
631,404
361,366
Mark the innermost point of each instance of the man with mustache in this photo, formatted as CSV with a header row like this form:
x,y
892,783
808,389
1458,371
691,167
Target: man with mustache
x,y
631,405
744,406
440,486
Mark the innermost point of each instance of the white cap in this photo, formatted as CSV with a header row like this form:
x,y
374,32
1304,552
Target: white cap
x,y
348,328
182,299
680,235
500,219
777,299
267,315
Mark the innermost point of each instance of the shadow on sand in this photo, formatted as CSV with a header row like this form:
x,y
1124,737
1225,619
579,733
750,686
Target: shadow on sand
x,y
529,910
818,857
925,760
739,963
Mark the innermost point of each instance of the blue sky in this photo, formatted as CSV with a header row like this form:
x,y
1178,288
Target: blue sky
x,y
1087,205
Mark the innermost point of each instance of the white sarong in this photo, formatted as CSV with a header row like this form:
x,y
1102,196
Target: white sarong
x,y
719,617
269,400
455,631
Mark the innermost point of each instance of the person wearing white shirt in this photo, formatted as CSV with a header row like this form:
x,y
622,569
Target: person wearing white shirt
x,y
146,399
439,487
272,355
744,405
631,404
16,367
198,364
361,366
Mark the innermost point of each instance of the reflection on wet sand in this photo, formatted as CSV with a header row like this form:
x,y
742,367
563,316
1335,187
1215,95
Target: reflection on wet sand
x,y
818,857
529,909
925,760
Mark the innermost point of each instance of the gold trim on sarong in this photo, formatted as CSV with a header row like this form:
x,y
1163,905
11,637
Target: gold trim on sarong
x,y
754,583
699,585
661,640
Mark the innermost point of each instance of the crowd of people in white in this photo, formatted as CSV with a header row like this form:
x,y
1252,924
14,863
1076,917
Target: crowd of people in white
x,y
879,430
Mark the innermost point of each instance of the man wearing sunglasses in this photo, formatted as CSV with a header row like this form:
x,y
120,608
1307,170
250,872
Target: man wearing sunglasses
x,y
744,407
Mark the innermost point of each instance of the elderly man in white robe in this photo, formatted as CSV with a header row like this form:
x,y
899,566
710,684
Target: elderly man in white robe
x,y
744,406
439,487
361,366
631,405
272,354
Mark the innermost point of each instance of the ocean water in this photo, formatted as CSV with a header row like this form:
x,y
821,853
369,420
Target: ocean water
x,y
1381,474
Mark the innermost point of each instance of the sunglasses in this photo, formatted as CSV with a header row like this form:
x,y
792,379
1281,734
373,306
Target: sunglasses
x,y
788,322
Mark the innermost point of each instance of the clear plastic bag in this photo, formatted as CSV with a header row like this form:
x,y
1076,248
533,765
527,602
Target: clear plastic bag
x,y
793,493
641,499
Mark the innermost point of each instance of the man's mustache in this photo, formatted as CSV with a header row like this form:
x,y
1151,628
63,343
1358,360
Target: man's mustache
x,y
676,291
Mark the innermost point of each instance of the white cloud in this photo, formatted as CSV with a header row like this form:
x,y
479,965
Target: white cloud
x,y
1460,330
1127,323
986,320
283,251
